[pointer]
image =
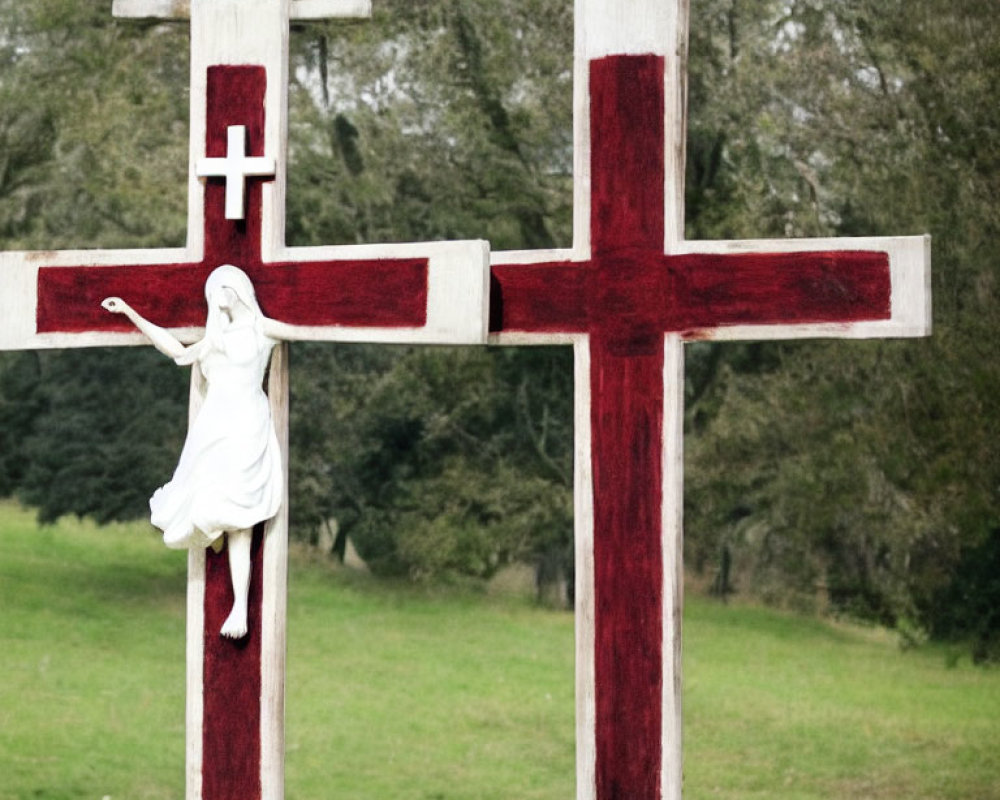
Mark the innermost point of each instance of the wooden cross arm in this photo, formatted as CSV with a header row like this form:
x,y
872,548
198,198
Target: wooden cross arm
x,y
434,293
910,292
787,288
298,9
19,295
457,291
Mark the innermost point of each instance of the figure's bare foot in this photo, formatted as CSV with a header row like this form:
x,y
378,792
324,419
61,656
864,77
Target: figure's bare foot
x,y
235,627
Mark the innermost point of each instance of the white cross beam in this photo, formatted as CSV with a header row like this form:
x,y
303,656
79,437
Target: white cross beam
x,y
298,10
235,167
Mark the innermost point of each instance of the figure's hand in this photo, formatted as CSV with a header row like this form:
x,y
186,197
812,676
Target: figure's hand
x,y
114,304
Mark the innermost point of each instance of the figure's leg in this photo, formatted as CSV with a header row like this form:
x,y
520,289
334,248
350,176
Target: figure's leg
x,y
235,627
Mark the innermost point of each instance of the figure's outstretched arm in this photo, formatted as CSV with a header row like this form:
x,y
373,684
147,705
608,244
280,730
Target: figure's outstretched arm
x,y
162,339
286,332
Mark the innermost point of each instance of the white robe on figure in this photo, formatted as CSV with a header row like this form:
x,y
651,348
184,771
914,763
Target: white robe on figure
x,y
230,474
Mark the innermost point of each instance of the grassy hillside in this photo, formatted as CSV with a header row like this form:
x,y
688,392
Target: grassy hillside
x,y
410,695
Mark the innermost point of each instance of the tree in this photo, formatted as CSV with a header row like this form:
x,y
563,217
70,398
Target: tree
x,y
443,461
881,477
93,135
470,147
105,427
861,472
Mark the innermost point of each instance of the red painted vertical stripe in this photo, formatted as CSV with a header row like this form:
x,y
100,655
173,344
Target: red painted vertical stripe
x,y
231,685
626,455
235,97
627,299
628,290
626,162
232,669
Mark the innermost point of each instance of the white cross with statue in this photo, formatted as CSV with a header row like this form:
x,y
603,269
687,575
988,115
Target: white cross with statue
x,y
626,296
433,293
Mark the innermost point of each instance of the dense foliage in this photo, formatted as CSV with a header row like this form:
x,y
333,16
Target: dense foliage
x,y
865,472
862,476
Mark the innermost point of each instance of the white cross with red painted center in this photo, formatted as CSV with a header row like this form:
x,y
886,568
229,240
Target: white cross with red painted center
x,y
628,294
420,293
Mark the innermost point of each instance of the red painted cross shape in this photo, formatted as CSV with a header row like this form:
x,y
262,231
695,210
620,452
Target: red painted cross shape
x,y
390,293
630,293
630,299
378,292
408,293
627,296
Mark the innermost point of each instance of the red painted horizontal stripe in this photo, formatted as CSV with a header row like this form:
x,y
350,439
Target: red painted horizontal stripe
x,y
377,293
709,291
634,295
539,297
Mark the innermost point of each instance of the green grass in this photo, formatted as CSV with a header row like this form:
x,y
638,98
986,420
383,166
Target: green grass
x,y
407,694
91,662
780,706
401,694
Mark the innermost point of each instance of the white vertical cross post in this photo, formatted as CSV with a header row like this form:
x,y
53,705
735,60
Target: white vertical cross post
x,y
628,295
417,293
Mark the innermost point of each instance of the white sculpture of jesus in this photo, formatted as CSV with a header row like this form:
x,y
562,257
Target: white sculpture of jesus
x,y
230,475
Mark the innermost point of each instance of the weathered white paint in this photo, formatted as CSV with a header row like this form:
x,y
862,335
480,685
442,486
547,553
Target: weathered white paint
x,y
532,256
274,602
610,27
151,9
195,650
19,295
581,132
672,510
194,677
674,120
235,167
324,9
583,526
457,312
181,9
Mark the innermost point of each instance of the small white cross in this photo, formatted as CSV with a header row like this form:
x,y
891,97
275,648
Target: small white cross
x,y
236,167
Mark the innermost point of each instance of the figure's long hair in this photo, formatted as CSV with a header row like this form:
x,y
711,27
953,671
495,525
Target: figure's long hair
x,y
225,277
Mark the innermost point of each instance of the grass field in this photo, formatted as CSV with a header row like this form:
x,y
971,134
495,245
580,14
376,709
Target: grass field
x,y
418,695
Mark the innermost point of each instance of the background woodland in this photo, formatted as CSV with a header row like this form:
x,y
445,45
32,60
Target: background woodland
x,y
858,478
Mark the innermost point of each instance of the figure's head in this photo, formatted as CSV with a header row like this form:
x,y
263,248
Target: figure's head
x,y
226,283
231,299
